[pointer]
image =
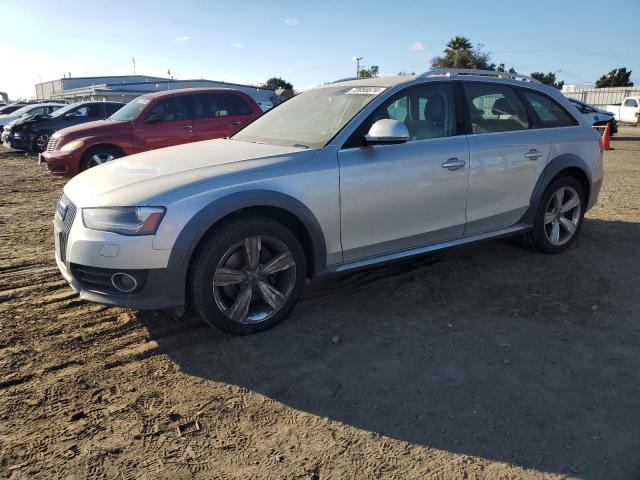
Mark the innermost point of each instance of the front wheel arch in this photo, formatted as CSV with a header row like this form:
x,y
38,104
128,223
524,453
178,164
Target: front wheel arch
x,y
95,148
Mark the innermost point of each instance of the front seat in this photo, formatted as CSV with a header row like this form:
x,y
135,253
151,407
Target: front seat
x,y
433,125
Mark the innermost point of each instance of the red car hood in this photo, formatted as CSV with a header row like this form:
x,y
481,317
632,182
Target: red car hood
x,y
92,128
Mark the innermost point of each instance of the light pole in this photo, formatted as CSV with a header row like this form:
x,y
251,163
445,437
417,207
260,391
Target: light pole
x,y
357,59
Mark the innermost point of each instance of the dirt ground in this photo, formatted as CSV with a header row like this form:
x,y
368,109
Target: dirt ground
x,y
483,362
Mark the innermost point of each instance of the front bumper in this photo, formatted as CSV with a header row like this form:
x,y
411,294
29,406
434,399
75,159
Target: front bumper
x,y
63,164
87,259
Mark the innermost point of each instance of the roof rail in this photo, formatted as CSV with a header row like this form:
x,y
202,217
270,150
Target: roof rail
x,y
346,79
451,72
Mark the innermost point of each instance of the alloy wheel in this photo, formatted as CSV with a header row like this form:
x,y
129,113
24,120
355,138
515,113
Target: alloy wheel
x,y
254,279
42,141
100,158
562,215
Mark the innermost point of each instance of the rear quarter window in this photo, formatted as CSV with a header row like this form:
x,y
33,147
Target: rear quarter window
x,y
549,112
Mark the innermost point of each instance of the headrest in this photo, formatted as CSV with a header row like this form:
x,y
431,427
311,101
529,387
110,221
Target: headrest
x,y
502,106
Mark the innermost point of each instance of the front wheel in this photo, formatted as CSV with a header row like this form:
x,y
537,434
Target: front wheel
x,y
247,276
97,156
559,216
41,142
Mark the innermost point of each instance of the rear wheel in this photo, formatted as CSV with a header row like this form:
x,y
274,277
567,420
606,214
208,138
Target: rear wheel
x,y
98,156
247,276
559,216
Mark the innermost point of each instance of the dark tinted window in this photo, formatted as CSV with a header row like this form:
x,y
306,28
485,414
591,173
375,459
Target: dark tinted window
x,y
494,108
550,113
630,102
88,111
112,108
210,105
170,110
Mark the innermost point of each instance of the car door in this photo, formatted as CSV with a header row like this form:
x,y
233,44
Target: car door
x,y
219,115
506,158
167,122
399,196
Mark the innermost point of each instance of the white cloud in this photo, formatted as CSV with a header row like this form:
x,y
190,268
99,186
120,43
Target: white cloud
x,y
182,39
291,21
289,70
237,45
415,46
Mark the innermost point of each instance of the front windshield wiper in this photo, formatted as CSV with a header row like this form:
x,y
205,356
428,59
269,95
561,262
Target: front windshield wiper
x,y
300,145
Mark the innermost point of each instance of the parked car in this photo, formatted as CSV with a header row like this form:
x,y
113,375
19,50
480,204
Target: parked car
x,y
33,133
12,107
29,110
339,177
596,115
628,111
148,122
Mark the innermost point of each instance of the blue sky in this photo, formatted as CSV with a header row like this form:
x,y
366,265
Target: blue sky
x,y
307,42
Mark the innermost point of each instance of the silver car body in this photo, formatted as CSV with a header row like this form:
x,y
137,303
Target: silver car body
x,y
359,206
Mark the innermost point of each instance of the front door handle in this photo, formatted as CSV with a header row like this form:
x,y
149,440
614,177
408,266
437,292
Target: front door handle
x,y
453,164
533,154
236,122
188,127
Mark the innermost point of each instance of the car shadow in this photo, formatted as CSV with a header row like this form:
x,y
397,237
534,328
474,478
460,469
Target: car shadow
x,y
488,350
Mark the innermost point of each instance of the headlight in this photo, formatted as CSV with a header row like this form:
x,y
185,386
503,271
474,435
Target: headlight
x,y
124,220
17,135
71,146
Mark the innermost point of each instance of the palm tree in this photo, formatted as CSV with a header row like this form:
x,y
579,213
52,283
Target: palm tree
x,y
456,44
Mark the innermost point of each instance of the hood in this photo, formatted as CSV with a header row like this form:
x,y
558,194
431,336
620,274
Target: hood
x,y
92,128
4,119
32,119
138,179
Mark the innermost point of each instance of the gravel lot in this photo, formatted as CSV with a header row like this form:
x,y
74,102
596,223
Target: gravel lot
x,y
484,362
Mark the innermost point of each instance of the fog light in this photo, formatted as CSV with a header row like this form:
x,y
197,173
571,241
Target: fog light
x,y
123,282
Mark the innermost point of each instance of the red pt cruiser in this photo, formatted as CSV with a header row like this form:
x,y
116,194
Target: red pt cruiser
x,y
154,120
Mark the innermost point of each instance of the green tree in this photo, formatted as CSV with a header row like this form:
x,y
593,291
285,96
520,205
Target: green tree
x,y
548,79
460,53
275,83
372,71
618,77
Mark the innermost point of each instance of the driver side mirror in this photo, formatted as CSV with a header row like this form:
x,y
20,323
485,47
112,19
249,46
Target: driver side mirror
x,y
387,131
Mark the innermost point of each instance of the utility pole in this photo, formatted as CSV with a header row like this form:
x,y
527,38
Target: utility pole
x,y
357,59
134,65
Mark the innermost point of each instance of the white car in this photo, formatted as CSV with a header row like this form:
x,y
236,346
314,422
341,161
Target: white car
x,y
628,111
28,110
350,174
597,116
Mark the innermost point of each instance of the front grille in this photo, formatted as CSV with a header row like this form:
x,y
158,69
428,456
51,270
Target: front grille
x,y
65,215
53,144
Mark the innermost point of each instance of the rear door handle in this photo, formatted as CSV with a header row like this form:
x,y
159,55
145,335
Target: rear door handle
x,y
453,164
533,154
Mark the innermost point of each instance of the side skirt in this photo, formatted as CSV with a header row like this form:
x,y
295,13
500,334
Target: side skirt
x,y
389,257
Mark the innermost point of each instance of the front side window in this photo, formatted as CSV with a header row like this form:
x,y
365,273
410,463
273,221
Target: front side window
x,y
630,102
170,110
428,111
494,108
310,119
550,113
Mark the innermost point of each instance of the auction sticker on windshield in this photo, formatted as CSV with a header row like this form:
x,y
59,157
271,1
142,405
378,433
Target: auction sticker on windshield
x,y
366,91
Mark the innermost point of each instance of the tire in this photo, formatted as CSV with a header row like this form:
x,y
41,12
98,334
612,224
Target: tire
x,y
225,255
544,237
103,154
40,142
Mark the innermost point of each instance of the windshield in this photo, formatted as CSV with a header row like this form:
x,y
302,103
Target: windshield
x,y
131,110
25,109
310,119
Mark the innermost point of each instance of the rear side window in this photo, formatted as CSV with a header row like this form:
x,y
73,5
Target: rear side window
x,y
494,108
211,105
170,110
550,113
112,108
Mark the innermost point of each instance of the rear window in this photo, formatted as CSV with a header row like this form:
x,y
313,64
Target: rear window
x,y
550,113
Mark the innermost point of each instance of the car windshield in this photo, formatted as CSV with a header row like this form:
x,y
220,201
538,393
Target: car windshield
x,y
310,119
24,110
131,110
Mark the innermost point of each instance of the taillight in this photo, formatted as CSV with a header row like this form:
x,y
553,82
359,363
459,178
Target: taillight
x,y
601,143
